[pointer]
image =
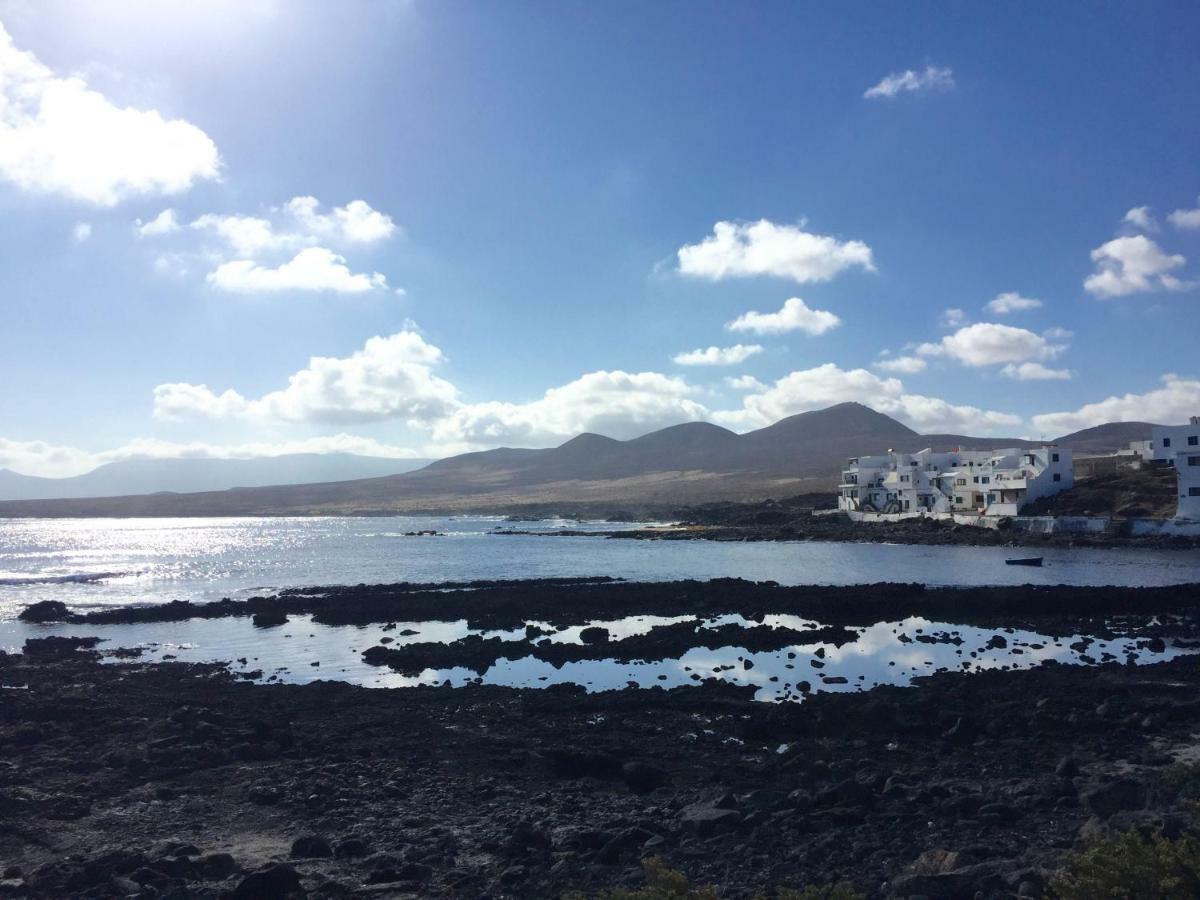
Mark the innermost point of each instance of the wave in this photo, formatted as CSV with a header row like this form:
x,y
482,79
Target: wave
x,y
78,578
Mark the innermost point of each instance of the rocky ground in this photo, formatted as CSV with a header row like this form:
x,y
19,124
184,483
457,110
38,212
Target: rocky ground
x,y
119,779
773,522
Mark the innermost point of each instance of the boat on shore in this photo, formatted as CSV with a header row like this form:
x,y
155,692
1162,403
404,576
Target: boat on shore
x,y
1025,561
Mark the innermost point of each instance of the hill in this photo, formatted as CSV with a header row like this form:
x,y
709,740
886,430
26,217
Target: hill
x,y
683,464
149,476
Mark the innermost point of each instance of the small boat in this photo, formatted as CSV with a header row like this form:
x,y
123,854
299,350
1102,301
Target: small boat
x,y
1025,561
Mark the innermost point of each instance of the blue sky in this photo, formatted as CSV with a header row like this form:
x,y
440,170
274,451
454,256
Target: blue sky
x,y
245,228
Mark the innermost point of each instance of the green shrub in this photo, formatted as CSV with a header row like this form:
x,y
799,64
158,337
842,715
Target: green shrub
x,y
1132,867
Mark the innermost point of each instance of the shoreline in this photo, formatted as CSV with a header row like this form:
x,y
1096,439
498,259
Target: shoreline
x,y
182,777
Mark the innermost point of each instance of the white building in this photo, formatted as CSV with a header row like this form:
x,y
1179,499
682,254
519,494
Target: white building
x,y
1179,446
980,482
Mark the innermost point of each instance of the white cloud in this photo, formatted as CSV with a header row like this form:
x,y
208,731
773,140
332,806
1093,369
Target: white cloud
x,y
1010,302
930,78
745,383
312,269
1185,218
355,222
743,249
1058,334
717,356
825,385
59,136
988,343
248,236
906,365
1173,403
1141,217
794,315
164,223
953,317
57,461
81,232
1032,371
389,378
1132,265
618,404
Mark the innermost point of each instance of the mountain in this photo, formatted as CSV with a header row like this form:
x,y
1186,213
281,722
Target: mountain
x,y
149,476
1106,438
684,464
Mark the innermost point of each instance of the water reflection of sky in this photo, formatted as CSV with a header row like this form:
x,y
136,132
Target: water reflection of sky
x,y
883,653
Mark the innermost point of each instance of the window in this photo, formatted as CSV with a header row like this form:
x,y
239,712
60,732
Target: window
x,y
959,482
1054,458
1194,492
1193,440
986,479
1166,442
1057,477
1194,460
958,501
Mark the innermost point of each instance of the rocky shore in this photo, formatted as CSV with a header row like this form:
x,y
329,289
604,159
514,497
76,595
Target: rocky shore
x,y
119,779
774,522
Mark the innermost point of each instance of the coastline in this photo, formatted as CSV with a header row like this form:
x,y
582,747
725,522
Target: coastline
x,y
185,777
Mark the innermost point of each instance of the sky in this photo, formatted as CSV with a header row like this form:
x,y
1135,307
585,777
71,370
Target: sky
x,y
411,229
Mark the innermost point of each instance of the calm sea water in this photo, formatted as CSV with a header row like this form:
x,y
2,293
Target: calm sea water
x,y
90,563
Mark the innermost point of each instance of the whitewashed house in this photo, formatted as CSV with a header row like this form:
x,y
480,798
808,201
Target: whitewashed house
x,y
979,482
1179,446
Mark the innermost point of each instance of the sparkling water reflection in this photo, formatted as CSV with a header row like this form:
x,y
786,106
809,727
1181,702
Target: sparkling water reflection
x,y
156,560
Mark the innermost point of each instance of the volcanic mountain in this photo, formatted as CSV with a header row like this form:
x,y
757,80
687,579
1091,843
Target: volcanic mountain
x,y
689,463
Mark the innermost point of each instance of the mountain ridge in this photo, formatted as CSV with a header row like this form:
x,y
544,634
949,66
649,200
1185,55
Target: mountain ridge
x,y
679,465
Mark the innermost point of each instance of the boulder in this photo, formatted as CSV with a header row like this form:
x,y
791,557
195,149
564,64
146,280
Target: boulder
x,y
277,882
1111,797
594,635
47,611
270,618
642,778
708,820
311,846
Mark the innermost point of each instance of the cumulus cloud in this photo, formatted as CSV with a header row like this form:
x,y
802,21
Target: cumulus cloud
x,y
717,356
81,232
59,461
1140,217
389,378
355,222
1010,302
59,136
1185,218
1172,404
247,236
1132,265
952,317
618,404
745,383
1032,371
794,315
906,365
312,269
825,385
744,249
284,249
164,223
931,78
989,343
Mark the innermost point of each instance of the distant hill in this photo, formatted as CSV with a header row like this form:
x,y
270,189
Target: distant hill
x,y
149,476
684,464
1106,438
